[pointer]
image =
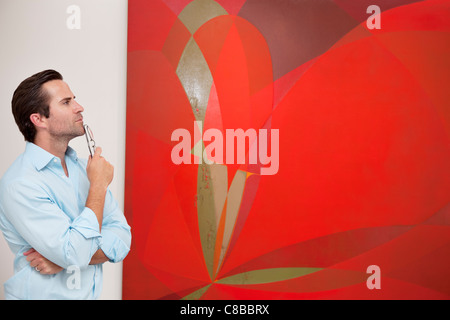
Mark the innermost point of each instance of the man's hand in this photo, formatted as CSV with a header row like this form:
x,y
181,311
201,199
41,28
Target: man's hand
x,y
99,171
100,174
99,257
41,264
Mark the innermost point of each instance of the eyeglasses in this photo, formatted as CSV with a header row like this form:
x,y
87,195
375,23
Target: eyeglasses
x,y
90,139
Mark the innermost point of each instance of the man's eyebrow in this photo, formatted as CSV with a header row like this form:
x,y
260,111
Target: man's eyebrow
x,y
67,99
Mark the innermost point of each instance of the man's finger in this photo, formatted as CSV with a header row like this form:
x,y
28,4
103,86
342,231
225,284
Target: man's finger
x,y
29,252
98,151
34,263
33,256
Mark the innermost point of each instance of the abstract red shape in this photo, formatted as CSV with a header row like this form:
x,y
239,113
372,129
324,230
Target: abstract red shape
x,y
149,24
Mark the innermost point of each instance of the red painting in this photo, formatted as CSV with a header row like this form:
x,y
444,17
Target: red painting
x,y
288,149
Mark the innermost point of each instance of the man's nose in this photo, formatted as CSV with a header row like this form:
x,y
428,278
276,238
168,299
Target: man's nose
x,y
78,107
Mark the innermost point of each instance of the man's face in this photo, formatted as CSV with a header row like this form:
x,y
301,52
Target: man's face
x,y
65,120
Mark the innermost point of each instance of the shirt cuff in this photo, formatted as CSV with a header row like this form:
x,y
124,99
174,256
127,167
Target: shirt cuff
x,y
87,224
113,247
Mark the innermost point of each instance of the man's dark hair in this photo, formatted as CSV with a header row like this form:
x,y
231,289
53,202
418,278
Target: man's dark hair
x,y
29,98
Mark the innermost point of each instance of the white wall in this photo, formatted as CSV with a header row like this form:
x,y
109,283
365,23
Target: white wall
x,y
34,36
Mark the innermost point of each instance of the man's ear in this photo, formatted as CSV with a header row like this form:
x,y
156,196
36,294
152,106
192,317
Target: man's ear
x,y
38,120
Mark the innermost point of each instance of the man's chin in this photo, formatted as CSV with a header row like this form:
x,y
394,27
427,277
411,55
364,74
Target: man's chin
x,y
81,133
80,130
76,133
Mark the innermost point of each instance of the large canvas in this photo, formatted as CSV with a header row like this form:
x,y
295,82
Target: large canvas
x,y
281,149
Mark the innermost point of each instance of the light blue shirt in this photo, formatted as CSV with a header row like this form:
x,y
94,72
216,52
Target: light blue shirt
x,y
42,208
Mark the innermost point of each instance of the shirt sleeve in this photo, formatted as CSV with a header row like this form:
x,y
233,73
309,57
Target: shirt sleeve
x,y
116,233
47,229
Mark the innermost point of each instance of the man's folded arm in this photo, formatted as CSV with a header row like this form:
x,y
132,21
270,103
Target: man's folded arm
x,y
47,229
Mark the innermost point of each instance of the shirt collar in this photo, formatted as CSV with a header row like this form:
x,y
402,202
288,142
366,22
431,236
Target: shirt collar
x,y
41,158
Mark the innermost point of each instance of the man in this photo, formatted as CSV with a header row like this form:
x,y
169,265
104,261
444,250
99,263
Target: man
x,y
56,212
